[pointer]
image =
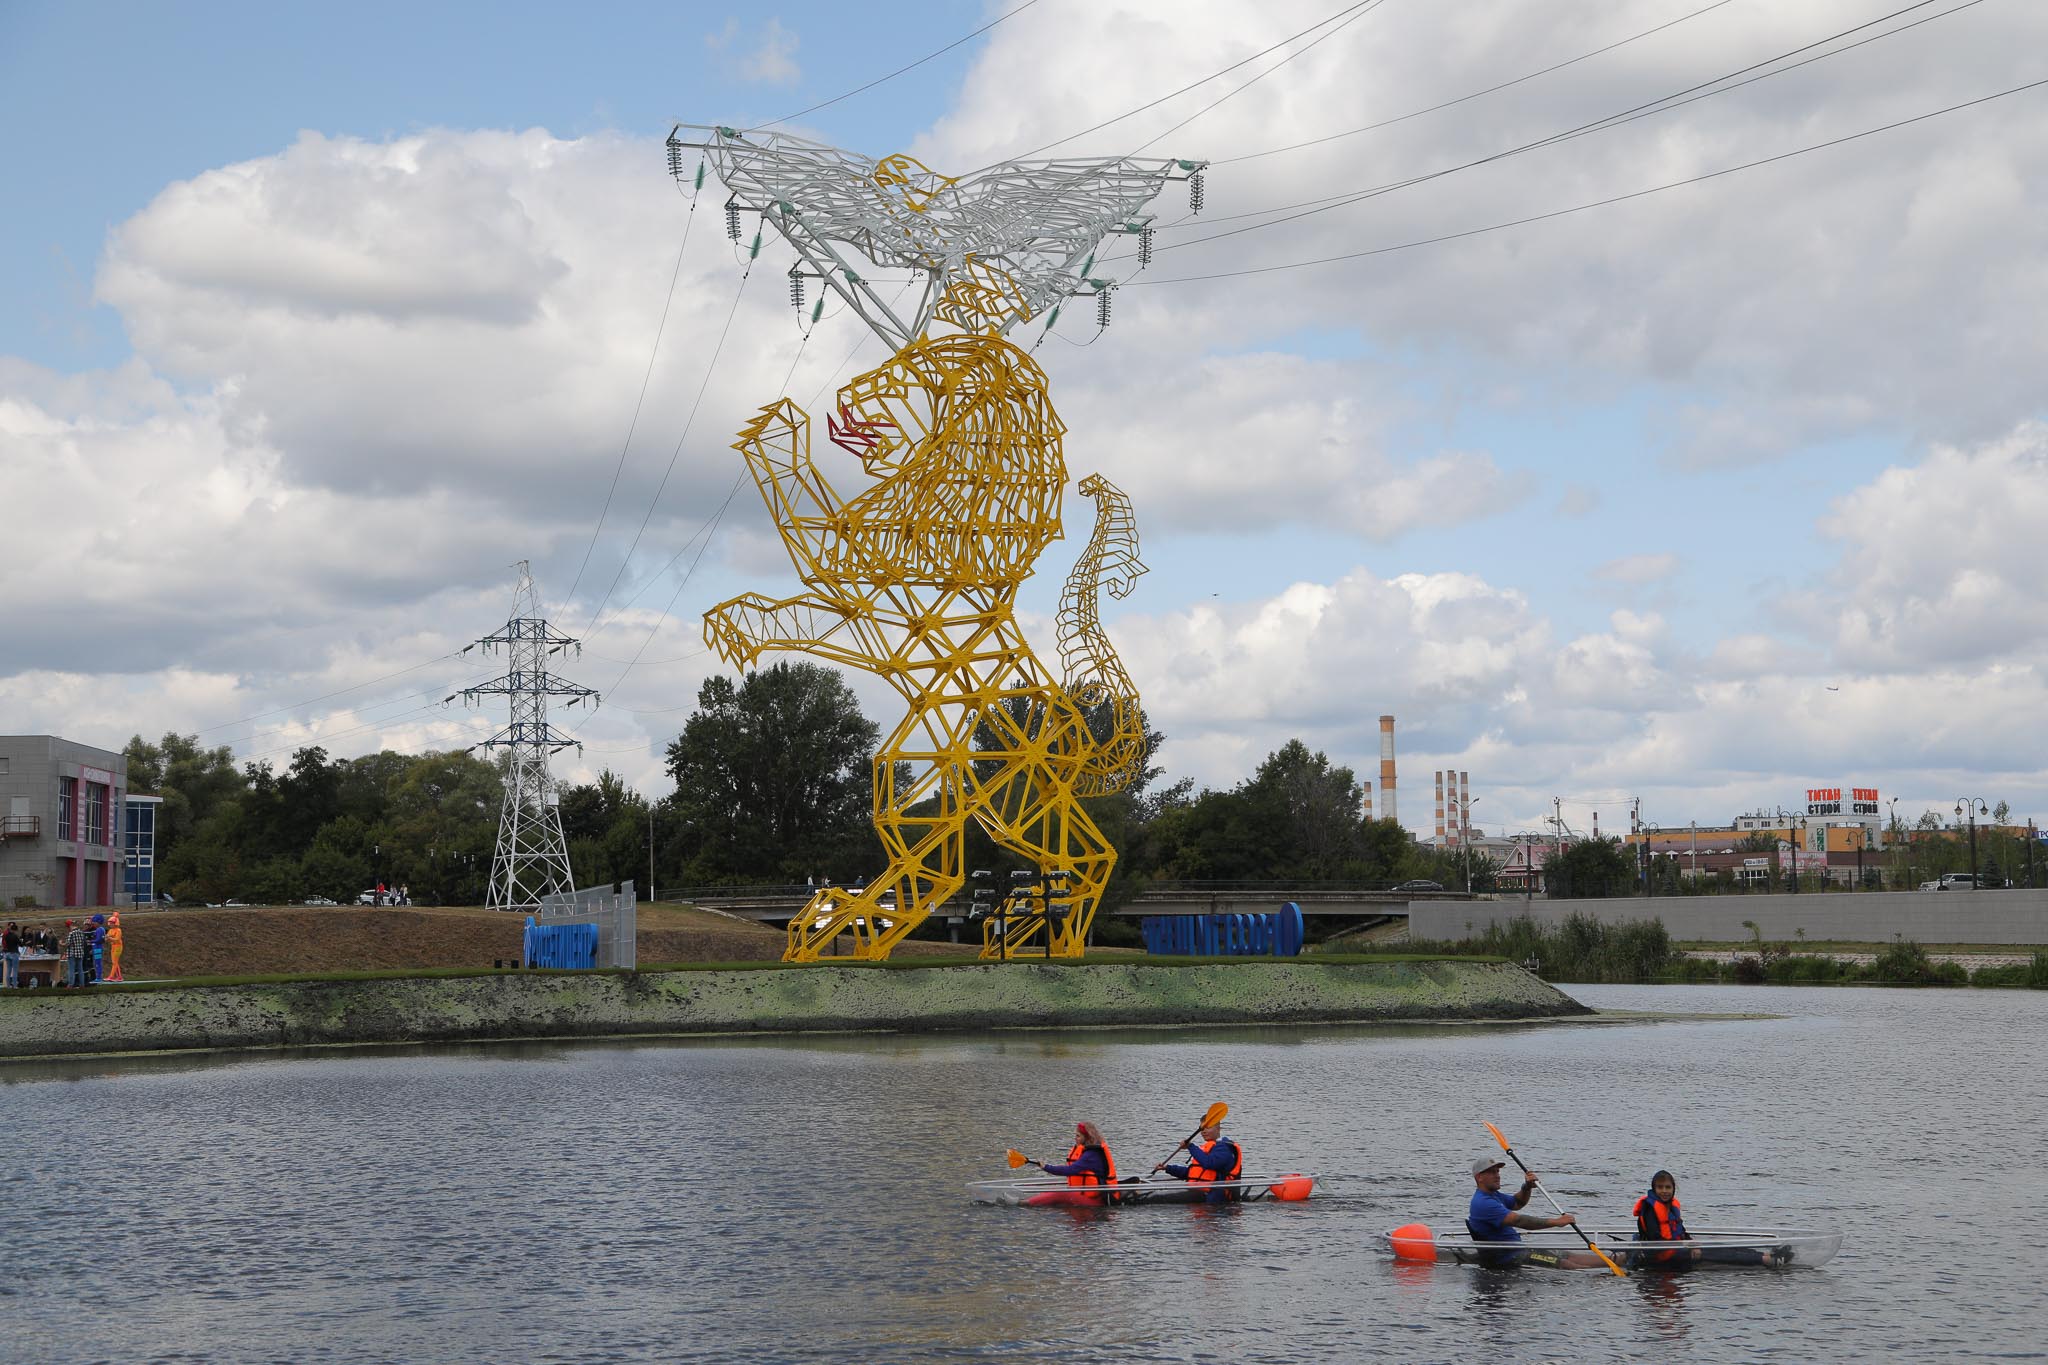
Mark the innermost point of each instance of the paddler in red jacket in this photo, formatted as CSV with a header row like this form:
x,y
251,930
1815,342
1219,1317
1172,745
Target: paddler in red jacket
x,y
1089,1164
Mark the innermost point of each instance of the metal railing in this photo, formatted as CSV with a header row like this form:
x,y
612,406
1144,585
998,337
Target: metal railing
x,y
21,826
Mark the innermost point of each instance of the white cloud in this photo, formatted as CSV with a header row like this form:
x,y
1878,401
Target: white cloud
x,y
1638,570
771,61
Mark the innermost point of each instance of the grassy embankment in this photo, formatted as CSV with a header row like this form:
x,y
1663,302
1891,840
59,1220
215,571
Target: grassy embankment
x,y
1585,949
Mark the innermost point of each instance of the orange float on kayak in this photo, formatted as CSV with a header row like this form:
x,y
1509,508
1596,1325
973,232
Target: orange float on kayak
x,y
1413,1242
1292,1188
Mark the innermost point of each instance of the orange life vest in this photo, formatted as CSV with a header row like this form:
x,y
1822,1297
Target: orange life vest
x,y
1658,1220
1198,1172
1087,1179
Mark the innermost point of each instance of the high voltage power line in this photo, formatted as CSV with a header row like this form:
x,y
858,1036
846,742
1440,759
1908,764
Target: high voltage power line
x,y
1664,104
1597,203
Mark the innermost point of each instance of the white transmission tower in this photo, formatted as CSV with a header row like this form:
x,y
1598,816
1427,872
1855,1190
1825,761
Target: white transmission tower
x,y
532,860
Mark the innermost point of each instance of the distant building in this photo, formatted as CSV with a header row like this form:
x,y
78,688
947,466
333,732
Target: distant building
x,y
138,849
61,808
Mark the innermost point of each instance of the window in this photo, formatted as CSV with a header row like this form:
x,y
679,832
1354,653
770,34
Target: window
x,y
67,806
95,813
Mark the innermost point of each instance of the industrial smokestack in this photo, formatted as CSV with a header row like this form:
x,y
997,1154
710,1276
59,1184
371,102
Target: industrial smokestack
x,y
1440,802
1368,799
1387,767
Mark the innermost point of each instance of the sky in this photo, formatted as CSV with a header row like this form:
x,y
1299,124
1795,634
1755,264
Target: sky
x,y
320,319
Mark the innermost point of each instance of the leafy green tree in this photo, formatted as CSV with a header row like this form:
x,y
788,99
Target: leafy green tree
x,y
774,777
1590,868
193,781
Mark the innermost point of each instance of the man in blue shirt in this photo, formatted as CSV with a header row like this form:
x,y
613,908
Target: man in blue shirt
x,y
1493,1217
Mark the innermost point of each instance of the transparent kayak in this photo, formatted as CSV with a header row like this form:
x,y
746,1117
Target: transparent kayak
x,y
1041,1192
1709,1248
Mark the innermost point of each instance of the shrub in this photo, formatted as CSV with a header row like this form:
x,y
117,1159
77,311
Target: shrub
x,y
1903,963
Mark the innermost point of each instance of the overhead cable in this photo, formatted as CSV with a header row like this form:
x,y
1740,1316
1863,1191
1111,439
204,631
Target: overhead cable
x,y
1597,203
1662,105
881,80
1176,94
1476,94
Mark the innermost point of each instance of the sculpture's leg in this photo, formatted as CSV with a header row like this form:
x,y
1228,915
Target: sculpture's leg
x,y
922,823
1028,806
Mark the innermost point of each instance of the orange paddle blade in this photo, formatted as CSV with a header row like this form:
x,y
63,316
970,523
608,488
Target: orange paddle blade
x,y
1016,1158
1215,1114
1497,1137
1414,1242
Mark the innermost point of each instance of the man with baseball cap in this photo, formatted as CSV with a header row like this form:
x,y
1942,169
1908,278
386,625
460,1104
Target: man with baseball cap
x,y
1493,1217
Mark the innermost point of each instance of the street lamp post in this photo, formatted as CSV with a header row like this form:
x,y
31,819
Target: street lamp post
x,y
1972,806
1465,838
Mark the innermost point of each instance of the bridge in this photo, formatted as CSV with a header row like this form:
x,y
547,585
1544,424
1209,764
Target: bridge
x,y
777,903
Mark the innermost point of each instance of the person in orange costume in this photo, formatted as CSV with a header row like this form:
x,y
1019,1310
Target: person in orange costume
x,y
114,948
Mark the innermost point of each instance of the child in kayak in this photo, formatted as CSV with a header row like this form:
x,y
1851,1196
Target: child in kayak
x,y
1658,1219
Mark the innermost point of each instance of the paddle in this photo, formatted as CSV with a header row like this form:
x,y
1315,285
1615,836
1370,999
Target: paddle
x,y
1502,1140
1017,1158
1215,1114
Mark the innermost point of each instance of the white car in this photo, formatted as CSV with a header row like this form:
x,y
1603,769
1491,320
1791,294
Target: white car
x,y
1952,881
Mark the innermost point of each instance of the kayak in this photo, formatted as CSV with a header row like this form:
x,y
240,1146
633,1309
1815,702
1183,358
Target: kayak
x,y
1716,1248
1044,1193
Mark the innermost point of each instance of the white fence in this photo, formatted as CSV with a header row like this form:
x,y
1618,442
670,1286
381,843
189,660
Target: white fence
x,y
615,913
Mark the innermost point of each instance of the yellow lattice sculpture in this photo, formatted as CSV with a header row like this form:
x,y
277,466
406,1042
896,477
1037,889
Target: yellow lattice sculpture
x,y
914,577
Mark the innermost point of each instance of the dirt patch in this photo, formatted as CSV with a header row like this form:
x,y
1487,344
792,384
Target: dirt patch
x,y
234,942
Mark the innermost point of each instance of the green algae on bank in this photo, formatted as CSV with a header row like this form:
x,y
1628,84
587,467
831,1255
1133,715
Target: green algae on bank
x,y
820,998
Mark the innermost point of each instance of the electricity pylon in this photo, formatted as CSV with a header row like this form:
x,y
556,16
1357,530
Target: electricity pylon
x,y
532,859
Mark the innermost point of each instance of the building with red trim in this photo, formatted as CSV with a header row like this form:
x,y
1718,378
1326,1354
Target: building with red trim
x,y
62,809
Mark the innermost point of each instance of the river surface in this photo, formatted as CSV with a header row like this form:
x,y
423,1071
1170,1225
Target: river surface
x,y
772,1200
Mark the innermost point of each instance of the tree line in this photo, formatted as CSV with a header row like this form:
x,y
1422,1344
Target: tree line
x,y
771,782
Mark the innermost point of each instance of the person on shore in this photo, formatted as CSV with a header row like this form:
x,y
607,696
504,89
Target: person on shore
x,y
1089,1165
1216,1159
1659,1219
97,958
10,955
1495,1217
76,945
114,947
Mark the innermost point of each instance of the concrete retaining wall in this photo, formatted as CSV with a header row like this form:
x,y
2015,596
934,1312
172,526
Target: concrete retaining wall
x,y
820,998
2017,916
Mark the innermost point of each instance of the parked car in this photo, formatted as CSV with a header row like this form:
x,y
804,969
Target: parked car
x,y
1418,884
1951,881
317,900
234,905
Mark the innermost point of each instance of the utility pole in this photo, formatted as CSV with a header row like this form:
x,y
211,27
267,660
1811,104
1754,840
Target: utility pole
x,y
532,858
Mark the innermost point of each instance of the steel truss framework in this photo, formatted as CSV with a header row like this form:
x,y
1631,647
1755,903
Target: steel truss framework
x,y
914,576
532,857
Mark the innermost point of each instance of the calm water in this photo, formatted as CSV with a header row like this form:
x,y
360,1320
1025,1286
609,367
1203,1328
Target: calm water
x,y
803,1201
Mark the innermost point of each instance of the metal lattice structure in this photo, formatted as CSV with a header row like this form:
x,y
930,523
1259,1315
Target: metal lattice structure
x,y
914,576
532,857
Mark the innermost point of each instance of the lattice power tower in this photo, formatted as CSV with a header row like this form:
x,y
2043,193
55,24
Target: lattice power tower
x,y
532,858
914,576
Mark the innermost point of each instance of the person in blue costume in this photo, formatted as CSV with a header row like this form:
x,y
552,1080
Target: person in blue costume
x,y
1495,1217
1216,1159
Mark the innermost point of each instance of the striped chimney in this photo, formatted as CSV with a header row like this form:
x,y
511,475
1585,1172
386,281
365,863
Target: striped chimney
x,y
1440,802
1368,798
1387,767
